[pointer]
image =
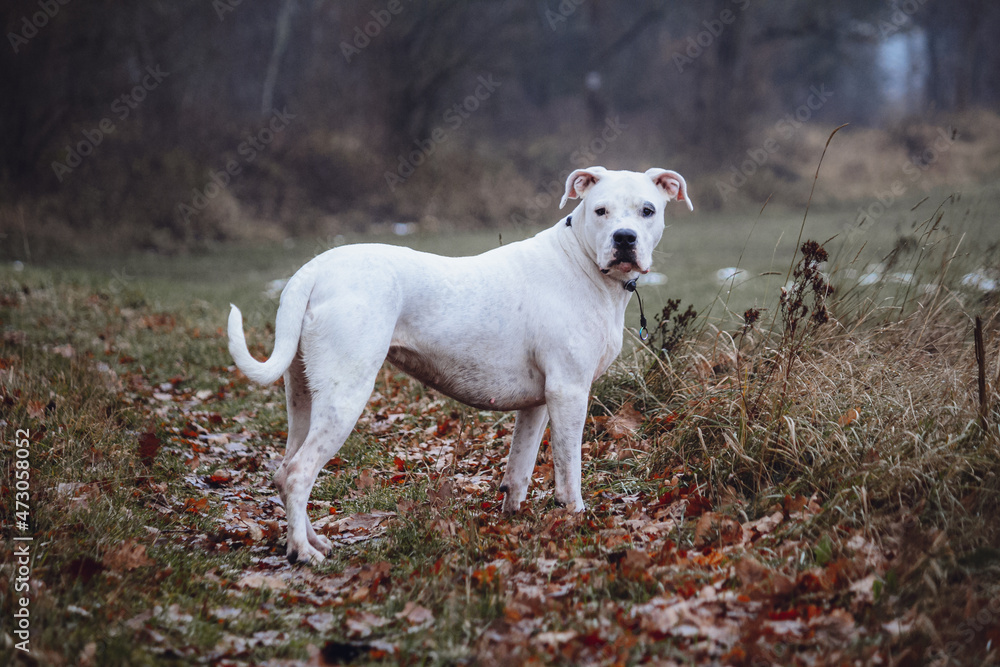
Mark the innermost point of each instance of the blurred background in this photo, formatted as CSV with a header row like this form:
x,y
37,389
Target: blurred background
x,y
174,126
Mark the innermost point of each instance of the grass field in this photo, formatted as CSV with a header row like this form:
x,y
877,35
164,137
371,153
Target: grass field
x,y
695,248
818,486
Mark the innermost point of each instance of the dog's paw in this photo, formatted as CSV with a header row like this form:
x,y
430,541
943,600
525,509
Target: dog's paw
x,y
510,506
321,543
512,499
305,554
574,505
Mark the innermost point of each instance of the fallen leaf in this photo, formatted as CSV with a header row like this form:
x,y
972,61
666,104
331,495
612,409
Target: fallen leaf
x,y
750,571
87,655
555,639
256,532
660,616
227,613
354,527
800,506
405,506
257,580
362,623
624,423
176,616
365,480
864,589
765,524
373,574
697,505
219,478
635,563
195,505
443,493
849,417
839,625
414,614
717,530
128,555
323,622
78,491
149,445
762,580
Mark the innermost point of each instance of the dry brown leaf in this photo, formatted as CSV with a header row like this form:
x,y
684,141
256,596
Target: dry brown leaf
x,y
635,563
624,423
659,616
219,477
717,530
365,480
750,571
801,507
255,531
128,555
555,639
849,417
354,523
442,495
362,623
414,614
258,580
149,445
762,581
838,625
765,524
322,622
406,507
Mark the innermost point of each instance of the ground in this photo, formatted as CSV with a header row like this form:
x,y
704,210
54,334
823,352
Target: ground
x,y
812,484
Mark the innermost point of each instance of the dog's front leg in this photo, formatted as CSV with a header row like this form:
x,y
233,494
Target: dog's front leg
x,y
567,407
529,425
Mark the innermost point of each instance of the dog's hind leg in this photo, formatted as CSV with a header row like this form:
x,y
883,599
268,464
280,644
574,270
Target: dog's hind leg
x,y
331,424
341,378
298,399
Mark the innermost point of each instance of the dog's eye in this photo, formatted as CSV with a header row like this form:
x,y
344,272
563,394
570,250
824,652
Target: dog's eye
x,y
601,211
648,211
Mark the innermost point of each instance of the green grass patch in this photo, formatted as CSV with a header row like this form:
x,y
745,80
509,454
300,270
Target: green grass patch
x,y
823,469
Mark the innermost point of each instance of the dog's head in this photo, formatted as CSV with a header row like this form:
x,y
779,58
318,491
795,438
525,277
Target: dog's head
x,y
620,219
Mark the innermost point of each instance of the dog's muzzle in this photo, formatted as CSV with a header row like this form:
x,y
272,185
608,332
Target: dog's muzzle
x,y
624,242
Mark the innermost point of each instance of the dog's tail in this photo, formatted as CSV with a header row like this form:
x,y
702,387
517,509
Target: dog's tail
x,y
287,329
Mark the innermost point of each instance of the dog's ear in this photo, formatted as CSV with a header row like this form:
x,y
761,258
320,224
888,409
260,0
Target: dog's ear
x,y
580,181
672,184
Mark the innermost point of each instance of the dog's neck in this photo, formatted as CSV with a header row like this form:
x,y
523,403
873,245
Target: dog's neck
x,y
566,232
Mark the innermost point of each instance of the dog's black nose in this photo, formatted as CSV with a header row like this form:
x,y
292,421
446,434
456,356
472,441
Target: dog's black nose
x,y
625,238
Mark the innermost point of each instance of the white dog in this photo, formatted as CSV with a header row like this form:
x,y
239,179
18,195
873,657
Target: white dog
x,y
528,327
